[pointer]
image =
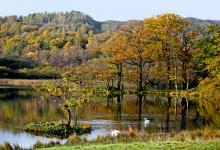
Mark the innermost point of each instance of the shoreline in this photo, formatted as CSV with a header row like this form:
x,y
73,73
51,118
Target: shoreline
x,y
205,138
29,83
22,83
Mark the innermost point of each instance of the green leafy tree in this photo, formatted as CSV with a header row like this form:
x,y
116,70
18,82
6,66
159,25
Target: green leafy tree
x,y
71,95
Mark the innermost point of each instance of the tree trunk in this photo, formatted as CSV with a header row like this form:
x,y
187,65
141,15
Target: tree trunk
x,y
168,72
108,87
68,115
140,84
120,83
176,84
187,84
75,117
184,76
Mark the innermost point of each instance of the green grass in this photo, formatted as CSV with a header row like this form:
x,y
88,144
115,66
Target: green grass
x,y
192,145
199,139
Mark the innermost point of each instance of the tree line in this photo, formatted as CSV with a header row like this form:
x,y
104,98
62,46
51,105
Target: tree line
x,y
163,52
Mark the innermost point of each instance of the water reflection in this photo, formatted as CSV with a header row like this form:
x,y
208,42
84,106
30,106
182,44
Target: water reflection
x,y
184,114
166,114
119,107
24,140
23,107
167,126
139,100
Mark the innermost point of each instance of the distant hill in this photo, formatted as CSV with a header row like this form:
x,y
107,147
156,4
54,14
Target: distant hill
x,y
70,20
75,20
203,23
111,25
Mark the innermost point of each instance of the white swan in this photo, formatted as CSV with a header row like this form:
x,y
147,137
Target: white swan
x,y
115,132
146,122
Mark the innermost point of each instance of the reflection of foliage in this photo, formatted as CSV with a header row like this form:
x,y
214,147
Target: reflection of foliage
x,y
209,100
22,110
10,94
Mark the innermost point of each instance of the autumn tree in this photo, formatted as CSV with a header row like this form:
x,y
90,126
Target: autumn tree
x,y
114,49
71,95
171,33
14,46
139,49
186,53
95,42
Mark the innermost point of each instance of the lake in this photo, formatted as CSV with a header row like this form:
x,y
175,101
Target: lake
x,y
166,114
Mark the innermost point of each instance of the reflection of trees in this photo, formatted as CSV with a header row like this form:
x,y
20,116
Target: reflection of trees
x,y
184,114
167,129
131,104
198,121
209,108
119,98
20,111
13,94
139,99
110,101
157,101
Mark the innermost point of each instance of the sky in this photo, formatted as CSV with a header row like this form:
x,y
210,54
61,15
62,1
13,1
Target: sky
x,y
120,10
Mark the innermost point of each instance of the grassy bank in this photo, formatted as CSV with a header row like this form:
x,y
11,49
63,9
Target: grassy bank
x,y
200,139
192,145
206,138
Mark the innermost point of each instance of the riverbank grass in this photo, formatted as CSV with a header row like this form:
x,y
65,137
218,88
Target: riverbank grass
x,y
205,138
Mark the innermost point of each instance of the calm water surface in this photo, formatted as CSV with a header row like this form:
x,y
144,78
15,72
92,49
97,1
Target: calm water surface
x,y
166,114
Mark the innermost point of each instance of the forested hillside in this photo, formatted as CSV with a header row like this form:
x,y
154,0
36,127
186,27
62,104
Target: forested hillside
x,y
73,21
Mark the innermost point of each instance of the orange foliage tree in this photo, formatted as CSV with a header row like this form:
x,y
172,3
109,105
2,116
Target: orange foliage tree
x,y
114,52
139,49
